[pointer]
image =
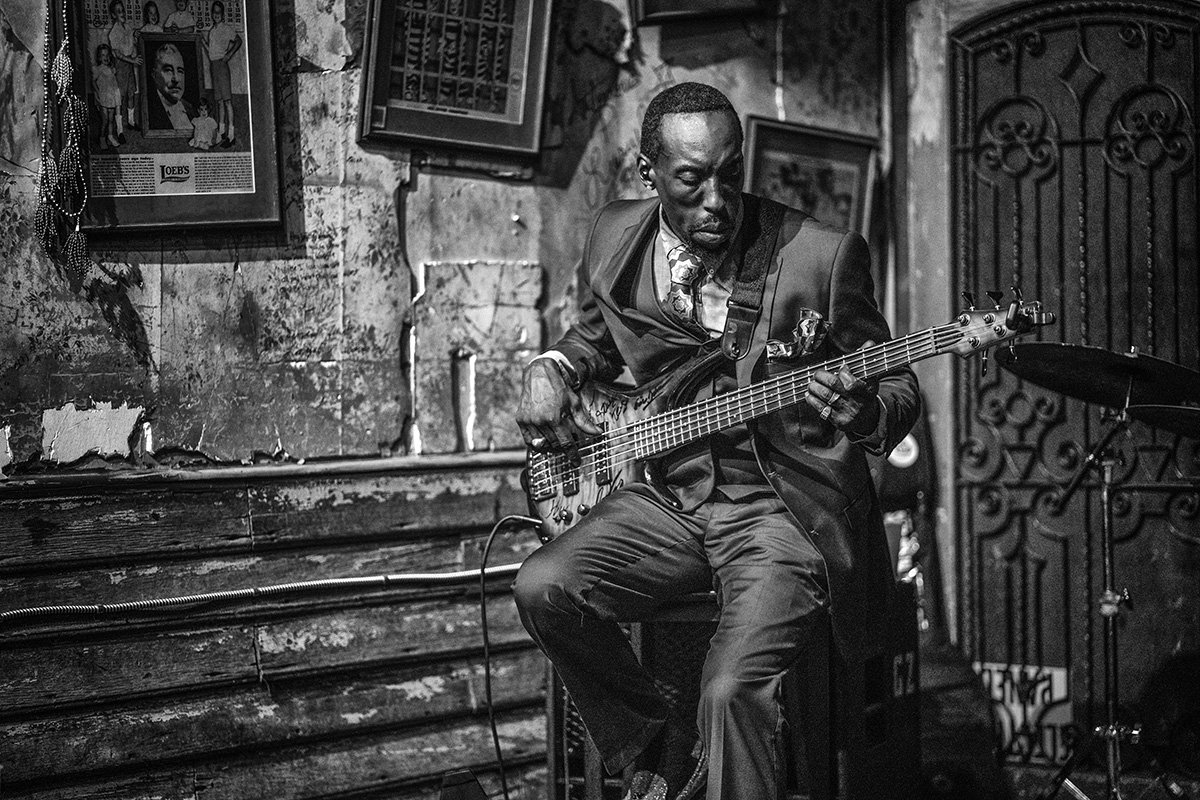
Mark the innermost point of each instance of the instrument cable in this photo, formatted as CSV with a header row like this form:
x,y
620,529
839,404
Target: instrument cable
x,y
487,655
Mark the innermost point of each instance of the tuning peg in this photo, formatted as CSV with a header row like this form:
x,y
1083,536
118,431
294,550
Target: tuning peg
x,y
970,298
1016,290
996,297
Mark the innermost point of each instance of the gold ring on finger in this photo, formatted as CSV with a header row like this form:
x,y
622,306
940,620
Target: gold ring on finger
x,y
826,413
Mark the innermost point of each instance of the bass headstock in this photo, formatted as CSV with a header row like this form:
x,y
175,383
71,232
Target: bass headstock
x,y
979,329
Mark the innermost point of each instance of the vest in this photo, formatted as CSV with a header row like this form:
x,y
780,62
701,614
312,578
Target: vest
x,y
723,461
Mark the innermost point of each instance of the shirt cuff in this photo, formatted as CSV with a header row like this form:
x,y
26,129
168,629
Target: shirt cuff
x,y
570,375
873,442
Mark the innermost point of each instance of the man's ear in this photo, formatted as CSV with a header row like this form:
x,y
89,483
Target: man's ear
x,y
645,170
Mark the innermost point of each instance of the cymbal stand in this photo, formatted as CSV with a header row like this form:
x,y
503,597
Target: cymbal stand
x,y
1109,605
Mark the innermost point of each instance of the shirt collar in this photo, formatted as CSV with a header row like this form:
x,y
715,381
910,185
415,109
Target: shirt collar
x,y
667,236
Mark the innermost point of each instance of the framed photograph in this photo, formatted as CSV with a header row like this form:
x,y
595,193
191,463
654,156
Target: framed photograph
x,y
455,74
656,12
181,114
171,102
824,173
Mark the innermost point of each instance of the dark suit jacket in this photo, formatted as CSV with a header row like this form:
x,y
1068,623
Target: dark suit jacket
x,y
816,470
158,118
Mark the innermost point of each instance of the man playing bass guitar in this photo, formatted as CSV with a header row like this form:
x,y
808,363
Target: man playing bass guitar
x,y
778,514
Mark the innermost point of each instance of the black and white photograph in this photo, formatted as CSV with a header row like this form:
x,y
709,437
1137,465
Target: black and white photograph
x,y
171,103
599,400
179,111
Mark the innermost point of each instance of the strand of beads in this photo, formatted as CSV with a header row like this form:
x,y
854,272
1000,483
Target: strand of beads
x,y
62,184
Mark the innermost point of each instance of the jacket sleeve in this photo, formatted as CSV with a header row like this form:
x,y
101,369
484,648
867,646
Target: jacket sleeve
x,y
588,345
854,319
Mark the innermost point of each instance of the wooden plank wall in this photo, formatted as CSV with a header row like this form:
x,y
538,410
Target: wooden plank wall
x,y
367,695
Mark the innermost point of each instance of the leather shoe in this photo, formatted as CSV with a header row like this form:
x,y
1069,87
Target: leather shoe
x,y
675,766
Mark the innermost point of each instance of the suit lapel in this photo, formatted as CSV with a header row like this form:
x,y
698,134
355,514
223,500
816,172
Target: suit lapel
x,y
616,275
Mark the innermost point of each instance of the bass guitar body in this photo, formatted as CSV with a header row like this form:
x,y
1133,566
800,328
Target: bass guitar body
x,y
563,488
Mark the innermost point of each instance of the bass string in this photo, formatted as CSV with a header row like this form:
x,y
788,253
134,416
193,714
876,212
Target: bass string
x,y
722,404
663,430
665,434
874,357
591,463
732,408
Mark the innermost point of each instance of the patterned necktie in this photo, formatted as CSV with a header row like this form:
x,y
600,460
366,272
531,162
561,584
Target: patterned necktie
x,y
685,268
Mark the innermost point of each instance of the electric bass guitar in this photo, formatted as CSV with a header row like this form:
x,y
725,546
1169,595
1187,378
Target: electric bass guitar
x,y
643,424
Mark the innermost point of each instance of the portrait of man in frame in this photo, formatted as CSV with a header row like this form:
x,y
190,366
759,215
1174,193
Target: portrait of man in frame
x,y
173,77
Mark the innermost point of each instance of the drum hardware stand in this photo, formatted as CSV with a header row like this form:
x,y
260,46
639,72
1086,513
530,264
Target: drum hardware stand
x,y
1112,381
1109,605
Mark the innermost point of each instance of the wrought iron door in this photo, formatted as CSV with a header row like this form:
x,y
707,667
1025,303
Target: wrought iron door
x,y
1074,174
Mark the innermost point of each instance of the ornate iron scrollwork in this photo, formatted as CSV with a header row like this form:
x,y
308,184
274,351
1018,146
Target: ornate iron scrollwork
x,y
1014,136
1072,165
1148,125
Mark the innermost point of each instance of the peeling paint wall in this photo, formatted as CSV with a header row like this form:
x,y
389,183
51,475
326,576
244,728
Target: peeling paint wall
x,y
68,433
252,341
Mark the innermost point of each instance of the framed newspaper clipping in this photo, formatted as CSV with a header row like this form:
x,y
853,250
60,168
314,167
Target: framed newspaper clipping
x,y
181,113
455,74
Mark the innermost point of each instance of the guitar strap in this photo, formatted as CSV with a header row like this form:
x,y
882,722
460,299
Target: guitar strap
x,y
765,218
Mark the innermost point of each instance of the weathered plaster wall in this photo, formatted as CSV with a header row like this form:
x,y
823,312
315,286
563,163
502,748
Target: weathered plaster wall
x,y
292,339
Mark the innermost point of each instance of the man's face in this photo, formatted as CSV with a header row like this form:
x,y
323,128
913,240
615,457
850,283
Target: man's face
x,y
698,177
118,12
168,75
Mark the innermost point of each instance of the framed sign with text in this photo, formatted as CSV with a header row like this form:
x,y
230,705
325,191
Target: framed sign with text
x,y
455,74
181,113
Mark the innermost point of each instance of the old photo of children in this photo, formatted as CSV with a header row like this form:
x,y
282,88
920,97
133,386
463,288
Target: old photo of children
x,y
168,96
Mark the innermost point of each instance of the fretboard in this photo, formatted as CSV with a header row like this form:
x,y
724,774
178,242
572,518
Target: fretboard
x,y
680,426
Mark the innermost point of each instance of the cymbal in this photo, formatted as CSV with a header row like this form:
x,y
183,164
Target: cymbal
x,y
1100,376
1184,420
